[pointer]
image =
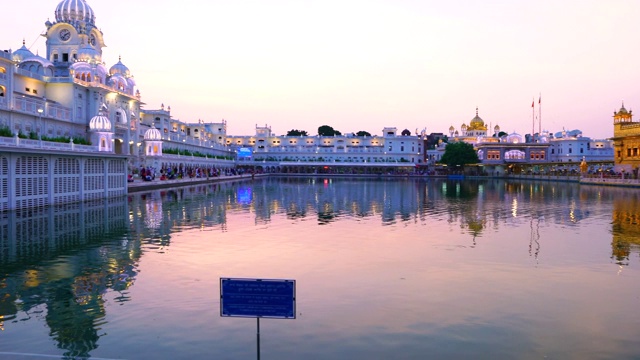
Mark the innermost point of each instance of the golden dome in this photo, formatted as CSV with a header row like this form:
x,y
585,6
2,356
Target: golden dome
x,y
477,123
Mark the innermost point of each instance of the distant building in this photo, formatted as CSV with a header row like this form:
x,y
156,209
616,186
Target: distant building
x,y
562,151
388,149
626,141
473,133
572,147
511,154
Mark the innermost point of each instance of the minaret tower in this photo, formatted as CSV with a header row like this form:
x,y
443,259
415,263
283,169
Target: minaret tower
x,y
74,27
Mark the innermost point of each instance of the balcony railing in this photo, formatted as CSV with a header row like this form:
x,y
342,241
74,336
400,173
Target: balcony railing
x,y
30,74
45,145
31,106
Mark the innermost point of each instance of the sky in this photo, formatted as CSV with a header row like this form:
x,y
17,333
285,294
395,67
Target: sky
x,y
368,64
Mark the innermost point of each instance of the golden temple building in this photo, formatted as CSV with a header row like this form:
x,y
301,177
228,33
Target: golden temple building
x,y
626,141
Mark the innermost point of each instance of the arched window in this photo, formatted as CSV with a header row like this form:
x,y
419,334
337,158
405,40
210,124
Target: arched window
x,y
514,155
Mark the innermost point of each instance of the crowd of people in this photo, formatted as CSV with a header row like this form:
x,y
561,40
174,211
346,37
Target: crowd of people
x,y
149,173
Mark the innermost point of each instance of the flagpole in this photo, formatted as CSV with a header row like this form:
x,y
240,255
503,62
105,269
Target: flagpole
x,y
533,119
540,114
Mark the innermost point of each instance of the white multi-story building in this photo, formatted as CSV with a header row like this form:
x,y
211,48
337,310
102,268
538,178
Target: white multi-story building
x,y
345,149
57,96
571,146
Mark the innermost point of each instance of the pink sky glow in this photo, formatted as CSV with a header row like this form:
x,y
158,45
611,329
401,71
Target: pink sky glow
x,y
363,65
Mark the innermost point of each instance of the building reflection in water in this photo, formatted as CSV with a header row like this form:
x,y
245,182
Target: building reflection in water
x,y
56,265
625,226
473,206
61,261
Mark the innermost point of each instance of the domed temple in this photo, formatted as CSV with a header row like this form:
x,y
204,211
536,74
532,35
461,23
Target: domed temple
x,y
473,133
626,141
63,93
69,111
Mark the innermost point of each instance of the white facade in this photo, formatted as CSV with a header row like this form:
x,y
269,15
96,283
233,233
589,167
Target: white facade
x,y
388,148
571,146
60,96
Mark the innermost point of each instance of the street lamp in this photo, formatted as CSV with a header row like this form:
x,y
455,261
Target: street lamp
x,y
40,111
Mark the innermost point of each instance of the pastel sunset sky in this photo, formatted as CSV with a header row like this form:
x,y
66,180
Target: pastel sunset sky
x,y
366,64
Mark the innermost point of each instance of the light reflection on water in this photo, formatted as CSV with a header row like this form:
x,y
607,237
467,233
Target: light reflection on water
x,y
402,269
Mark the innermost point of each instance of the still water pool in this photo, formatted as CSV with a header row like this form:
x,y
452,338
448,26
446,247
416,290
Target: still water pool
x,y
406,269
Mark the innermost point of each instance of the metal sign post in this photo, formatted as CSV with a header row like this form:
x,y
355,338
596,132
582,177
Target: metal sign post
x,y
259,298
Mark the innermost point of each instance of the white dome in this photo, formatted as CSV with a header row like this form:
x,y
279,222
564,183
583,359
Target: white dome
x,y
74,10
118,82
152,134
119,68
88,54
81,66
22,53
100,123
102,71
39,59
92,72
37,65
514,138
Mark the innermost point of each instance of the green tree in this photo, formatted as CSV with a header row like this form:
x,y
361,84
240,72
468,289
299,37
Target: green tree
x,y
501,134
459,154
326,130
362,133
296,132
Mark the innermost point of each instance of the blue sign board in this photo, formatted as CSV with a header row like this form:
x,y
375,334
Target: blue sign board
x,y
244,152
266,298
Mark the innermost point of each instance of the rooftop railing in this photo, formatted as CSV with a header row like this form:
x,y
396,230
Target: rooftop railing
x,y
17,142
